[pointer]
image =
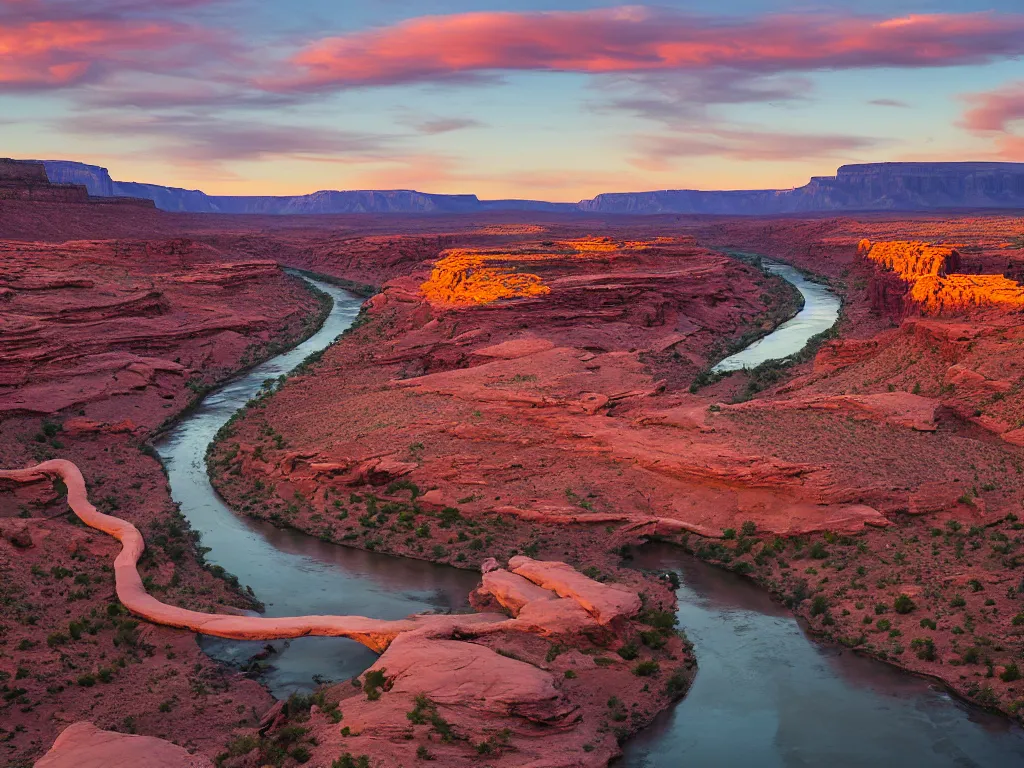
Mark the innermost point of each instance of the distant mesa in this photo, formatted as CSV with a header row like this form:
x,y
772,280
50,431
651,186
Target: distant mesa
x,y
28,180
869,187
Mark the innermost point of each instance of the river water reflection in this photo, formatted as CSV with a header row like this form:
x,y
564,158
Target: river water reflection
x,y
767,695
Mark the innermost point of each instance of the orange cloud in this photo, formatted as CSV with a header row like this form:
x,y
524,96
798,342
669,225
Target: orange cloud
x,y
637,39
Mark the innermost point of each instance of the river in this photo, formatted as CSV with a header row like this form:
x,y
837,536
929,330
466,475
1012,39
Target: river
x,y
764,695
819,313
290,572
768,696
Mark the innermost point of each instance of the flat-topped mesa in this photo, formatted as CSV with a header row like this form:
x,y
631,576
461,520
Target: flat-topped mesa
x,y
26,180
913,277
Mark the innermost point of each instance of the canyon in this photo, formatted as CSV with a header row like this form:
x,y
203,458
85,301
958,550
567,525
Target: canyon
x,y
526,396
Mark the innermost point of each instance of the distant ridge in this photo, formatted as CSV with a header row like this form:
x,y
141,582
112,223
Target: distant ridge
x,y
867,187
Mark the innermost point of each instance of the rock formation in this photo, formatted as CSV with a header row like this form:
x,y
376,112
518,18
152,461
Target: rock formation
x,y
918,277
83,745
27,180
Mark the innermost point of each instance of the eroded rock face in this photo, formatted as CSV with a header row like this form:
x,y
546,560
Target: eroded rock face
x,y
922,278
604,602
83,745
78,329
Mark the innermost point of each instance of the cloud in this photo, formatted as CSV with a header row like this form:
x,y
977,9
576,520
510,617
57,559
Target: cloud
x,y
889,103
640,39
995,110
668,97
435,126
657,152
993,114
48,45
199,139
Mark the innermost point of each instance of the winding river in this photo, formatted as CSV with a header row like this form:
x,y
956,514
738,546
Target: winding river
x,y
819,313
764,695
290,572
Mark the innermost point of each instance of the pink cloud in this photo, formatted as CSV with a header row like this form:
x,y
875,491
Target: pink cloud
x,y
638,39
993,113
995,110
52,45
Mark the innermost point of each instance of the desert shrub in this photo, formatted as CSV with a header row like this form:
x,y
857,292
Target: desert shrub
x,y
903,604
924,647
373,681
646,668
629,651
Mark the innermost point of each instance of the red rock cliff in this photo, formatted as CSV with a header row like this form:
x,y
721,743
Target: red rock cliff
x,y
911,277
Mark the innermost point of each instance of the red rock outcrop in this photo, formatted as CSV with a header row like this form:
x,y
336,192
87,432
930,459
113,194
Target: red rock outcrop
x,y
79,329
83,745
918,277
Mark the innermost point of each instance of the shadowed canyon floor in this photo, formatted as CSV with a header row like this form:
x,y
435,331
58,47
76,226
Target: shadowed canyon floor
x,y
519,387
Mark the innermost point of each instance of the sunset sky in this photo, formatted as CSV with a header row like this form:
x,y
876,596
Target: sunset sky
x,y
556,99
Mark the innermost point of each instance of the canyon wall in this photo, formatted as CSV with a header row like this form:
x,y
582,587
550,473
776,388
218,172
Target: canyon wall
x,y
911,277
869,187
20,180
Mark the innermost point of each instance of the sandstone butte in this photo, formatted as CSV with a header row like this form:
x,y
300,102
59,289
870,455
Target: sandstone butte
x,y
423,656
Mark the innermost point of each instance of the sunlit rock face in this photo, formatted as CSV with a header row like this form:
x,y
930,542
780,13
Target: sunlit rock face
x,y
915,277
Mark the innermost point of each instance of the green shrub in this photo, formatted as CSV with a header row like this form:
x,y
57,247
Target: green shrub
x,y
629,651
819,605
373,681
646,668
903,604
925,648
56,639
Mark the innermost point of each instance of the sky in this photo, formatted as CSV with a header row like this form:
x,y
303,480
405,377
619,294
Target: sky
x,y
543,99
